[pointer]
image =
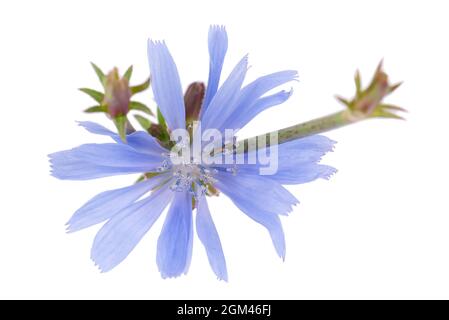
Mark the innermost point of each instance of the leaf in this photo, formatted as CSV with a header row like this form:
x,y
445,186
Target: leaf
x,y
140,87
144,122
394,87
164,136
96,109
135,105
380,113
128,73
161,119
392,107
120,123
97,96
358,83
99,73
343,101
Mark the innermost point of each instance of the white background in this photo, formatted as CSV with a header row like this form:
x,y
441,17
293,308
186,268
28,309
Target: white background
x,y
377,229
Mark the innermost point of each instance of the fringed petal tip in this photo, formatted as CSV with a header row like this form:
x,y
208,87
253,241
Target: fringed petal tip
x,y
294,75
72,226
99,267
292,206
217,28
68,227
171,276
222,277
174,275
327,172
156,42
220,27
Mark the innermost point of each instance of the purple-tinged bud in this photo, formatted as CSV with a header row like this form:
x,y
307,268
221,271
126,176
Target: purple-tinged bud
x,y
378,89
117,94
368,103
193,99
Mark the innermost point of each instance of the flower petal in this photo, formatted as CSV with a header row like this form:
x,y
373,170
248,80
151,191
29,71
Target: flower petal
x,y
118,237
166,85
140,141
250,94
247,114
261,199
218,45
226,96
261,192
96,128
174,246
110,155
92,161
106,204
297,161
71,169
143,142
208,235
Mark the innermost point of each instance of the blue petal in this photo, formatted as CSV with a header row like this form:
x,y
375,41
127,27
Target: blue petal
x,y
208,235
226,96
140,141
262,200
304,174
114,155
80,170
92,161
96,128
263,193
166,84
143,142
107,154
297,161
118,237
218,45
261,104
107,204
250,95
174,246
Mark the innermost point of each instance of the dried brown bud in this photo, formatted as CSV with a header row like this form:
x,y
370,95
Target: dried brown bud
x,y
193,99
155,130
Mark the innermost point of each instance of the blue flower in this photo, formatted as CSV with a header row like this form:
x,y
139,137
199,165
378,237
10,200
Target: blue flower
x,y
131,211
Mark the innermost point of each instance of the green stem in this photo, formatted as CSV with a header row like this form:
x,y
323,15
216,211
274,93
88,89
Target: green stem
x,y
323,124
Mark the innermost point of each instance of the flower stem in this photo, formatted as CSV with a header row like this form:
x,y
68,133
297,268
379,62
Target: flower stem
x,y
367,103
315,126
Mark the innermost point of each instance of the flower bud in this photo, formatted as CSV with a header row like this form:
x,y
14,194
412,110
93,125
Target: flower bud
x,y
368,103
193,99
374,94
117,94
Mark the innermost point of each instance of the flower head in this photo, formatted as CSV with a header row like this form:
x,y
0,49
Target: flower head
x,y
175,181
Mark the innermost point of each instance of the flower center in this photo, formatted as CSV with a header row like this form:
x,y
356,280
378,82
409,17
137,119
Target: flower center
x,y
192,177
